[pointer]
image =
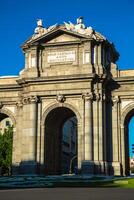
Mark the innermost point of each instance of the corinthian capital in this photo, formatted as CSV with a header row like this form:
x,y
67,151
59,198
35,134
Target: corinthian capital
x,y
115,100
87,96
30,99
98,97
19,103
33,99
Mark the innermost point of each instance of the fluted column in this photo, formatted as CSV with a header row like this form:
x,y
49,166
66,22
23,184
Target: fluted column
x,y
100,113
88,138
88,128
17,134
33,120
29,137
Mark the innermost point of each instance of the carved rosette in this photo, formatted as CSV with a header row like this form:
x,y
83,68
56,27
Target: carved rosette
x,y
61,98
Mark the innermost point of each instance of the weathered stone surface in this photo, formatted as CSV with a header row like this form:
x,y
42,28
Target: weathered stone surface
x,y
69,70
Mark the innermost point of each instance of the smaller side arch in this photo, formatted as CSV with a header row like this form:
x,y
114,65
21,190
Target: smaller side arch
x,y
126,111
8,113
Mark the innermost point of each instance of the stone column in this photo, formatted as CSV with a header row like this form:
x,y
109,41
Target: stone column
x,y
88,164
17,134
115,137
29,135
105,136
99,98
33,120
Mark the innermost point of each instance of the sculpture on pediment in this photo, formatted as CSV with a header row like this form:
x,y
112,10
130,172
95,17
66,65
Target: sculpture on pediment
x,y
79,28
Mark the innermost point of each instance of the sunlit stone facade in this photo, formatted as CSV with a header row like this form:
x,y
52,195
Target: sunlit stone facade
x,y
70,70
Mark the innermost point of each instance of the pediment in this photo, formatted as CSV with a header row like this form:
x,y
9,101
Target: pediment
x,y
54,36
63,38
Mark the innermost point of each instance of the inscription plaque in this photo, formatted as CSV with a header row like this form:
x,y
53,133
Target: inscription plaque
x,y
61,56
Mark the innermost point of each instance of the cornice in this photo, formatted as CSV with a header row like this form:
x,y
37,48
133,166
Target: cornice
x,y
124,79
12,87
52,79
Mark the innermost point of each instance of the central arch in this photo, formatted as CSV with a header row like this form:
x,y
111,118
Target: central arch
x,y
55,122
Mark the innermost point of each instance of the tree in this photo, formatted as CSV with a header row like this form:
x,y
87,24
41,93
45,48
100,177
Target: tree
x,y
6,139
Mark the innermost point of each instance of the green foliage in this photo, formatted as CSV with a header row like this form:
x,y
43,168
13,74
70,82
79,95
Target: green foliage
x,y
132,169
6,139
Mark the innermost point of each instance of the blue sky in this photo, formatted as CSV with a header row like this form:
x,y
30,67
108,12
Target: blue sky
x,y
113,18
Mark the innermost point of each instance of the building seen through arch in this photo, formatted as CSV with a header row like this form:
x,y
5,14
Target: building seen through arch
x,y
70,106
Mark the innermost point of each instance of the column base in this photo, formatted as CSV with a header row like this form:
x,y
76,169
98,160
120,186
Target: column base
x,y
113,169
99,167
87,167
28,167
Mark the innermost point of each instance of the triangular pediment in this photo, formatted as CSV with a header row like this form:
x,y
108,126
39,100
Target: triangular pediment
x,y
63,38
56,36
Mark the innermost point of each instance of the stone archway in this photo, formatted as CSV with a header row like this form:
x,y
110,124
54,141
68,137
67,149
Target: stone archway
x,y
7,125
53,128
127,114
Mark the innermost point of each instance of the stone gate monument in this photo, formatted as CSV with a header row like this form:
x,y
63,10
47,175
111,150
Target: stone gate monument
x,y
70,71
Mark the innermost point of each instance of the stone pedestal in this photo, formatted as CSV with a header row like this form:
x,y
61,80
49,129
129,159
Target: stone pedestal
x,y
116,168
99,167
87,167
28,167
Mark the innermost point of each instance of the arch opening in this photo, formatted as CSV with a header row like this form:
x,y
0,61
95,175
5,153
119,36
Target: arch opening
x,y
6,143
60,141
129,142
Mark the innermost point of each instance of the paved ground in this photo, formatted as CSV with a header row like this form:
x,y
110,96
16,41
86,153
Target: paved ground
x,y
68,194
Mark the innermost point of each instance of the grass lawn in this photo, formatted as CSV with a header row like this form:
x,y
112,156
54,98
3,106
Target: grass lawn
x,y
122,183
42,182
